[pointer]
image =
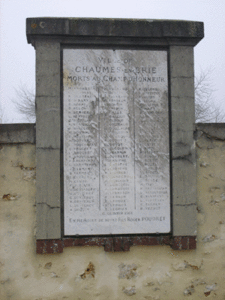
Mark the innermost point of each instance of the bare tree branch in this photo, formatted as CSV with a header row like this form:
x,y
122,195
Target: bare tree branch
x,y
206,111
25,103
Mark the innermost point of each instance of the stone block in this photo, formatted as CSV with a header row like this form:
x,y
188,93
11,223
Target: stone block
x,y
48,122
187,31
182,100
48,220
17,133
48,82
48,177
184,220
47,51
184,182
214,130
181,61
48,195
183,147
182,129
47,69
183,110
182,87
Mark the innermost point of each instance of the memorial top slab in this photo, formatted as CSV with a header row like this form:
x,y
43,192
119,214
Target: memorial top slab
x,y
124,28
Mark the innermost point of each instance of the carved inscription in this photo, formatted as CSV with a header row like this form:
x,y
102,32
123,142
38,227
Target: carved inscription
x,y
116,142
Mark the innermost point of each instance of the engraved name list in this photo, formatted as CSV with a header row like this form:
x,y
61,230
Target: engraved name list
x,y
116,142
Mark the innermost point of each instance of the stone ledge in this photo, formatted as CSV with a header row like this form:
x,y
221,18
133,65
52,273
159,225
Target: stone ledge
x,y
116,244
211,130
146,28
17,133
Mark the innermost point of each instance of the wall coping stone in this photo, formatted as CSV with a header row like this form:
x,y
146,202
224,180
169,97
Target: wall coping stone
x,y
26,132
17,133
212,130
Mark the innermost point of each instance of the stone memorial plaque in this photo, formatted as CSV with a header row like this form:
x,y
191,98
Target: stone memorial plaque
x,y
116,142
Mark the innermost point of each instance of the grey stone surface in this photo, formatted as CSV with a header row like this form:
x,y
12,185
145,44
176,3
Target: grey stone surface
x,y
182,87
183,149
48,35
182,100
48,122
47,69
48,193
181,60
184,220
47,51
212,130
116,141
184,181
48,177
48,94
17,133
48,221
182,127
48,139
115,27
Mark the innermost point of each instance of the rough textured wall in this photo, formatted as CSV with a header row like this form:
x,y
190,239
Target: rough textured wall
x,y
82,273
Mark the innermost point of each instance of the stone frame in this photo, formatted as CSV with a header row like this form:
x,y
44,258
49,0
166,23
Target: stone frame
x,y
48,36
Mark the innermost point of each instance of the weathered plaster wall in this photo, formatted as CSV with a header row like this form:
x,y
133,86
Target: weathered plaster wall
x,y
81,273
